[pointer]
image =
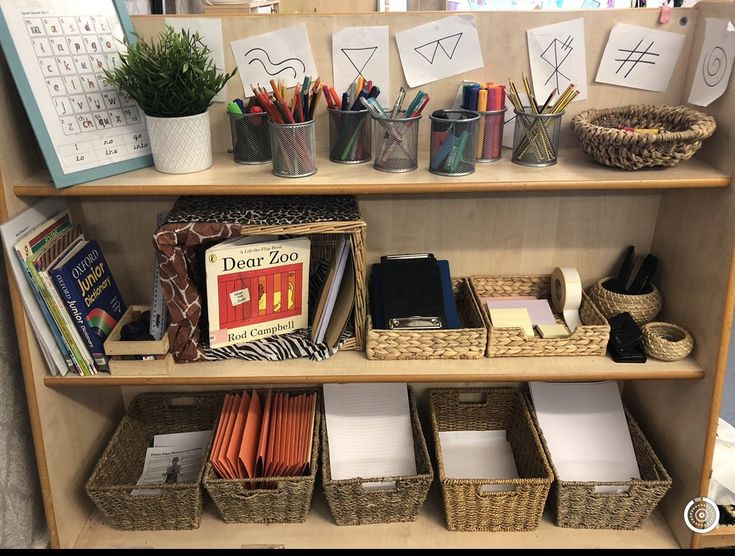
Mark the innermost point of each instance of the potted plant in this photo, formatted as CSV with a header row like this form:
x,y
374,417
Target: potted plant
x,y
173,80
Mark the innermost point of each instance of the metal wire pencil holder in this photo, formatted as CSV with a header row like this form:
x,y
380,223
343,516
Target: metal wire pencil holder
x,y
350,136
396,144
294,149
536,139
490,135
251,142
452,150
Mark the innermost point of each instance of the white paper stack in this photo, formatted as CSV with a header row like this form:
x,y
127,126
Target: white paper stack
x,y
478,455
586,431
369,430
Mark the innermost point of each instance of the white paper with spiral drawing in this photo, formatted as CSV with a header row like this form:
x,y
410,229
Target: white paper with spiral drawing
x,y
715,62
284,54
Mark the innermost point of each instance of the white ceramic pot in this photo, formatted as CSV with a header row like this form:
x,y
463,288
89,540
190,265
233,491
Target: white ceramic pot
x,y
180,145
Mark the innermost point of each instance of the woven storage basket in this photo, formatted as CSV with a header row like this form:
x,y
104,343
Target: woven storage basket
x,y
666,341
575,504
467,507
467,342
589,339
684,130
352,504
176,506
266,500
643,308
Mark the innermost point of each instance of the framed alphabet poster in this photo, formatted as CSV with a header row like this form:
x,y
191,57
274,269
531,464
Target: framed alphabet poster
x,y
57,50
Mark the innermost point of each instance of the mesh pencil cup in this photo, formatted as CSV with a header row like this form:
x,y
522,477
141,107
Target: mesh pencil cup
x,y
293,148
536,139
452,151
490,135
350,135
396,144
251,142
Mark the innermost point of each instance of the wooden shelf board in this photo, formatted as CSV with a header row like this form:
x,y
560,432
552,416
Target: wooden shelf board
x,y
319,531
575,171
723,536
353,366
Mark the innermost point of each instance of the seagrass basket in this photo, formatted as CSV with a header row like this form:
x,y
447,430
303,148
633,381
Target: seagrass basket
x,y
176,505
467,342
666,341
682,131
643,307
508,504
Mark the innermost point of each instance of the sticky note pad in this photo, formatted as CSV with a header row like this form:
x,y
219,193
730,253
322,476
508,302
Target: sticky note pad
x,y
552,330
512,318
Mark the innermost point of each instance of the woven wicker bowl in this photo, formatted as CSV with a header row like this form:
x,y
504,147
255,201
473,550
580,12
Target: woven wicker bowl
x,y
601,138
666,341
643,308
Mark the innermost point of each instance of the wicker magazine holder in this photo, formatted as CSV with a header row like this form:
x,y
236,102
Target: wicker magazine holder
x,y
600,135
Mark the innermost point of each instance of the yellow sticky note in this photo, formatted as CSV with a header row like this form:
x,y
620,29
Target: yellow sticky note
x,y
512,318
552,330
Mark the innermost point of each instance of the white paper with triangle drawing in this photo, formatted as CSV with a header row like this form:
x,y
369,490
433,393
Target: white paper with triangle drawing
x,y
362,51
439,49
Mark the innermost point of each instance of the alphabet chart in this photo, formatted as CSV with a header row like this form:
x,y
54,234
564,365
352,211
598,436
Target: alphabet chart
x,y
63,47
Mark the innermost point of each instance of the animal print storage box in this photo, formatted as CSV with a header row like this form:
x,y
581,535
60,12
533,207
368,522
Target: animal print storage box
x,y
196,223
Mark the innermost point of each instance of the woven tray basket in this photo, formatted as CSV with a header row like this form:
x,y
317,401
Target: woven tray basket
x,y
468,342
643,308
575,504
467,507
352,504
666,341
589,339
177,505
271,500
684,131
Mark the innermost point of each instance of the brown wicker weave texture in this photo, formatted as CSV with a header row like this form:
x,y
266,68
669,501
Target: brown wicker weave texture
x,y
666,341
352,504
466,507
589,339
178,506
271,500
599,136
643,308
467,342
576,505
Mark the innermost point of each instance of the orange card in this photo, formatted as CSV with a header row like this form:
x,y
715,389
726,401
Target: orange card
x,y
249,447
311,417
220,433
233,447
260,462
227,473
275,422
281,437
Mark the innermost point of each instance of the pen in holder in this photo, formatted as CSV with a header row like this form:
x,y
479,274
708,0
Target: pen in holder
x,y
397,144
251,142
536,138
294,149
350,134
453,134
490,135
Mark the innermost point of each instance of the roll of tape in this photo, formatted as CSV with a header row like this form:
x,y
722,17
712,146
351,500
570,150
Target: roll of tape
x,y
566,295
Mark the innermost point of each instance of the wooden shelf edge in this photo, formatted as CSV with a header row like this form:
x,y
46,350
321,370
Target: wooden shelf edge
x,y
722,537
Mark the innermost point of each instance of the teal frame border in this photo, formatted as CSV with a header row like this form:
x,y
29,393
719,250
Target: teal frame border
x,y
39,126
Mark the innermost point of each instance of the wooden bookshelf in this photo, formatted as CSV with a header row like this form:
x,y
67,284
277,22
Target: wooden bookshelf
x,y
319,531
352,366
575,171
722,537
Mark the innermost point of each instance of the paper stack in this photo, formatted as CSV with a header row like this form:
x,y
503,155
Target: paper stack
x,y
264,438
369,431
586,431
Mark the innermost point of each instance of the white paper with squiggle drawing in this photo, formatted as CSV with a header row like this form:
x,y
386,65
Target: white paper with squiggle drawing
x,y
284,54
715,62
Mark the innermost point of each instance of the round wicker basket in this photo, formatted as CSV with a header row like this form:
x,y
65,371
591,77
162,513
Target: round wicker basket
x,y
666,341
600,135
643,308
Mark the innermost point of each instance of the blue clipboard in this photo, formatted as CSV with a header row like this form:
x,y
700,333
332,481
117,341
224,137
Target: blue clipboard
x,y
37,122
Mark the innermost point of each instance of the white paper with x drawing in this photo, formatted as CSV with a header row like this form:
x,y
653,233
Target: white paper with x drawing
x,y
284,54
557,56
715,62
639,57
210,31
361,51
439,49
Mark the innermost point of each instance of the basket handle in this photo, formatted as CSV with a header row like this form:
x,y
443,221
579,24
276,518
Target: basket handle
x,y
259,492
471,398
388,484
612,490
496,489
